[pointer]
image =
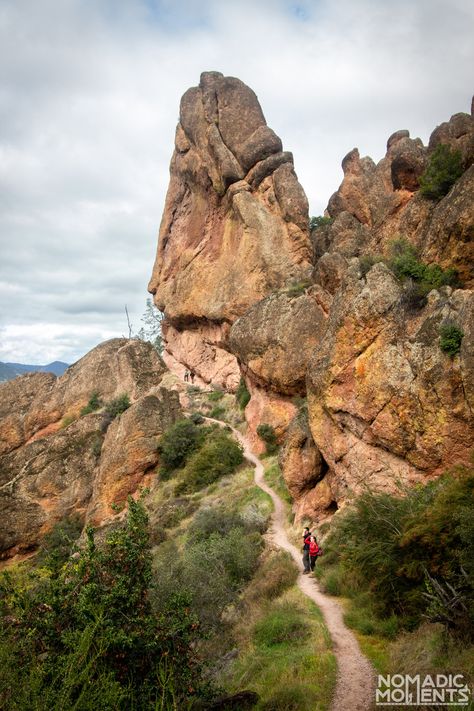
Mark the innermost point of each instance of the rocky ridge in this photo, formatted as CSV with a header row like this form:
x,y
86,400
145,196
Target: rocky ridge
x,y
385,405
55,462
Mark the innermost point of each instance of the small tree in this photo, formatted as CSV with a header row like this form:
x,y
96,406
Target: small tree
x,y
450,337
268,434
444,168
151,331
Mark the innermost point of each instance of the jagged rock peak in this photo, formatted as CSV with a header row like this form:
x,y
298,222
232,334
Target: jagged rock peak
x,y
235,222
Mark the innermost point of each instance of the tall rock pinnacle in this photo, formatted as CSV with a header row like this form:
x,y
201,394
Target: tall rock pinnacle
x,y
234,227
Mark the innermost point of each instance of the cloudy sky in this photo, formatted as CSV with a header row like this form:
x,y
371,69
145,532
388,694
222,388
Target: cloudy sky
x,y
89,96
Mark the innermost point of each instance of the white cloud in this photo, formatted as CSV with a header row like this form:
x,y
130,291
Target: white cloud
x,y
89,103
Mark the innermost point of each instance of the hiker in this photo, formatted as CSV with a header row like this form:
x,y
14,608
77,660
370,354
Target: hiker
x,y
192,377
313,551
306,561
186,376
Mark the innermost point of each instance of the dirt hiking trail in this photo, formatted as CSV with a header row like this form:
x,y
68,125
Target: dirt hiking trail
x,y
356,677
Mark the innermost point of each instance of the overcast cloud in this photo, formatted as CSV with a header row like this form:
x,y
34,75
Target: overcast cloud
x,y
89,95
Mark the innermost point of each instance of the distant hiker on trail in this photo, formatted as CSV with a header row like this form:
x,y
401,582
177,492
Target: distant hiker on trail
x,y
313,551
306,560
192,377
186,376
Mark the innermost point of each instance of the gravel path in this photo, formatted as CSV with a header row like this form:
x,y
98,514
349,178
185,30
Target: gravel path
x,y
356,678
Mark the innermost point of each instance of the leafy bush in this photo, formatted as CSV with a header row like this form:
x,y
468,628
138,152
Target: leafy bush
x,y
215,395
171,513
450,337
213,520
415,295
283,623
87,637
58,544
218,456
94,404
319,221
242,395
217,412
277,573
419,278
117,406
268,435
444,168
196,418
391,547
176,444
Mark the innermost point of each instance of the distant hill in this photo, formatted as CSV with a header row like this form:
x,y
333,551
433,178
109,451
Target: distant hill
x,y
8,371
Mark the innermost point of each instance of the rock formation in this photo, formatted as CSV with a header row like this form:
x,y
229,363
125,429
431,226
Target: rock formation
x,y
384,403
234,227
339,356
55,462
376,203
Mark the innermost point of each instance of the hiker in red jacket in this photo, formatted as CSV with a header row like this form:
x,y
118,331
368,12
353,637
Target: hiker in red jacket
x,y
306,562
313,551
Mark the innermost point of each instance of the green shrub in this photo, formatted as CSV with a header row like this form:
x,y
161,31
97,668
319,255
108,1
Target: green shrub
x,y
319,221
333,582
86,637
215,396
276,574
171,513
242,395
450,338
94,404
283,623
217,412
218,456
415,295
268,435
444,168
59,543
196,418
393,546
117,406
218,567
97,446
213,520
297,288
418,278
176,444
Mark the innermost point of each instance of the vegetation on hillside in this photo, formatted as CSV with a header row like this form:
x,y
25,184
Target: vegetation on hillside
x,y
406,563
443,169
418,278
196,455
86,635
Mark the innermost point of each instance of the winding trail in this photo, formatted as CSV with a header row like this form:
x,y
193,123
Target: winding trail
x,y
355,683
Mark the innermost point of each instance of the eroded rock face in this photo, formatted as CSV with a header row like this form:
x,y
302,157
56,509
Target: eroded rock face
x,y
275,338
51,467
378,203
200,348
235,223
36,404
129,452
385,403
